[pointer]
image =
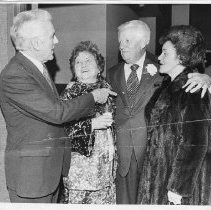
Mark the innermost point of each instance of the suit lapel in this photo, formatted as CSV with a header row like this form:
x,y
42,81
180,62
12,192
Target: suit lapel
x,y
54,88
36,74
145,86
121,84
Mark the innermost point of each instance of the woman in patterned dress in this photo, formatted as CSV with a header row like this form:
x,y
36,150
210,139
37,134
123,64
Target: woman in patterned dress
x,y
92,169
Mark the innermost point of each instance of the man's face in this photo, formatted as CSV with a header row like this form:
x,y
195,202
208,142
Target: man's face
x,y
48,40
131,45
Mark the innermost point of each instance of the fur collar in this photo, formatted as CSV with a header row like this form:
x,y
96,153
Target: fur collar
x,y
179,81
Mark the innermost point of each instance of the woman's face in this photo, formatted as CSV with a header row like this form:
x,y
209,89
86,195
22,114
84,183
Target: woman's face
x,y
168,59
86,68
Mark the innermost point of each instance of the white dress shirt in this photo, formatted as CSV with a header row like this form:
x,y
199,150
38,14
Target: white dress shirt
x,y
37,63
128,70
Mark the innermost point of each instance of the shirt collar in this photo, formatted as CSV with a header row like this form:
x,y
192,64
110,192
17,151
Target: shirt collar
x,y
140,62
37,63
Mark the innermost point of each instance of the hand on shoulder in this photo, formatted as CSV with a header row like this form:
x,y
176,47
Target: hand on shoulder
x,y
197,81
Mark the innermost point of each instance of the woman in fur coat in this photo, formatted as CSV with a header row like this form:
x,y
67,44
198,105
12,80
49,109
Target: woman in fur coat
x,y
177,166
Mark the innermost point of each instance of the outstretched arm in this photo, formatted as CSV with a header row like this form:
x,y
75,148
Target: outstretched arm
x,y
24,92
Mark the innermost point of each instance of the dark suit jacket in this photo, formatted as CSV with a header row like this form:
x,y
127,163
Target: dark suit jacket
x,y
130,122
33,113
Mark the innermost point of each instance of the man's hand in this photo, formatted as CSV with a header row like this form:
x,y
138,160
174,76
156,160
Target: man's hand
x,y
174,198
197,81
70,84
101,95
102,121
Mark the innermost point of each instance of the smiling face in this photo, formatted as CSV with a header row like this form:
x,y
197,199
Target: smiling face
x,y
169,59
130,45
86,69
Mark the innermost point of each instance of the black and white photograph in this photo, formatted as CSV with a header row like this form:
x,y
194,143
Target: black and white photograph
x,y
106,103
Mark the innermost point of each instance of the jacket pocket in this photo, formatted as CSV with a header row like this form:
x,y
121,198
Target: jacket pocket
x,y
35,152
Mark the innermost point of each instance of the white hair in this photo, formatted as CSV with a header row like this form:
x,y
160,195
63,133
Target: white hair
x,y
141,27
23,27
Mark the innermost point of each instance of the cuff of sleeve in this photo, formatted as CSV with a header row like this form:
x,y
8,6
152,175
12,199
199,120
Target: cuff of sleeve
x,y
172,187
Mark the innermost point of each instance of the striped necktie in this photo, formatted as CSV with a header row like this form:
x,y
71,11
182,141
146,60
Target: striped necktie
x,y
132,82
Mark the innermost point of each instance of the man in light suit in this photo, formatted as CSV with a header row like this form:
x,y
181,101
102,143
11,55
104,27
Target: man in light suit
x,y
34,155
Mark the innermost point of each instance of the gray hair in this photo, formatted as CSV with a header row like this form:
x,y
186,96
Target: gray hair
x,y
140,26
20,31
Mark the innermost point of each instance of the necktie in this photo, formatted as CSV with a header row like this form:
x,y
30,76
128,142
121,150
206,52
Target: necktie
x,y
47,76
132,82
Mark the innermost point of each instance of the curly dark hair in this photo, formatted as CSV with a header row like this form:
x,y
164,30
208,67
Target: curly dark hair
x,y
86,46
189,44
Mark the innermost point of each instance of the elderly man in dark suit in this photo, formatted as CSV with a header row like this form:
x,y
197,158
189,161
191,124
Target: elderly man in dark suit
x,y
135,80
33,113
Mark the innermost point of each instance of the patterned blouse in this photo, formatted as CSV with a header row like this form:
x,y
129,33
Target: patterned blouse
x,y
93,152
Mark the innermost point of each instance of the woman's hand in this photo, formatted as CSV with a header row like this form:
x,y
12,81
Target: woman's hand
x,y
197,81
174,198
102,121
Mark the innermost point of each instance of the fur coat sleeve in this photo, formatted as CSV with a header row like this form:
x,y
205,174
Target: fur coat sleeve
x,y
193,144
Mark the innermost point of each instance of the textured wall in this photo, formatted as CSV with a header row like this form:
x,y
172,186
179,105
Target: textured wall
x,y
3,60
115,16
75,23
